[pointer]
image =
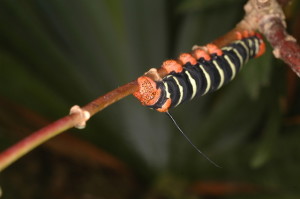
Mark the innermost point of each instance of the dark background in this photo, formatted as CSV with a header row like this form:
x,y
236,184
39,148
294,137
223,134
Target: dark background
x,y
58,53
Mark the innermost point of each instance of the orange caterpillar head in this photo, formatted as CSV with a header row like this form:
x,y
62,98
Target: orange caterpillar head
x,y
148,94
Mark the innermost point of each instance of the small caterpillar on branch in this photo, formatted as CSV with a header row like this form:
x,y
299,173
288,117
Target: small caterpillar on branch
x,y
204,70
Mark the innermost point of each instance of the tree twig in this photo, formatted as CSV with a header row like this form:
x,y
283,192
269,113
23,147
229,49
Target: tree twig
x,y
267,16
16,151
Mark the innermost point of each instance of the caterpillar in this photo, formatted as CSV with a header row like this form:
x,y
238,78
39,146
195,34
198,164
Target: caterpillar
x,y
202,71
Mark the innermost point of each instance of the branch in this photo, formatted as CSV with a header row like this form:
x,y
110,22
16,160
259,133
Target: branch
x,y
75,119
81,150
267,16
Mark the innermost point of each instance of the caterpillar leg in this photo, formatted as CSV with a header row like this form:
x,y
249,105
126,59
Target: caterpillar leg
x,y
244,34
186,57
200,52
206,51
213,49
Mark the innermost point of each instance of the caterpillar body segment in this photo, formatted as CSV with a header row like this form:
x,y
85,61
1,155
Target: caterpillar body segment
x,y
172,66
203,71
200,53
186,57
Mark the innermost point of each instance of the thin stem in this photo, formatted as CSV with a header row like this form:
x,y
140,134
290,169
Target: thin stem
x,y
16,151
35,139
110,98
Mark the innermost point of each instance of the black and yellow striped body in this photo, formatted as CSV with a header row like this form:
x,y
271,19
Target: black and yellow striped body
x,y
206,76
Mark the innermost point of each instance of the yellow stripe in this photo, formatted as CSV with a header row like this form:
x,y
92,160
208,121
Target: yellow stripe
x,y
232,66
193,83
227,48
168,95
250,48
208,80
239,56
246,48
256,46
230,48
180,91
221,72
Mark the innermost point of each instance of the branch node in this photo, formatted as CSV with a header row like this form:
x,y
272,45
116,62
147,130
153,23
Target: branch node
x,y
84,116
153,74
261,12
276,52
194,47
290,38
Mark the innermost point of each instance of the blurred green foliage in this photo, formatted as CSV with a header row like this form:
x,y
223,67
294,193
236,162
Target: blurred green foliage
x,y
54,54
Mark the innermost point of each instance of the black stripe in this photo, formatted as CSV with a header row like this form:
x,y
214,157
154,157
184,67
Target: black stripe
x,y
172,89
234,59
186,87
224,65
213,72
242,51
198,75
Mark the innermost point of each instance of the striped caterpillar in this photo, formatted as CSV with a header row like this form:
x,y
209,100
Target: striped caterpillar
x,y
202,71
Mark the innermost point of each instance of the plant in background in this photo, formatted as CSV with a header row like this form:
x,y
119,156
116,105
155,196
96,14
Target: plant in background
x,y
265,16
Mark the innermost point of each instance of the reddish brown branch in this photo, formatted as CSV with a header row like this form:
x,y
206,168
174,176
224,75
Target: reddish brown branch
x,y
65,144
230,36
111,97
284,45
24,146
267,16
35,139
